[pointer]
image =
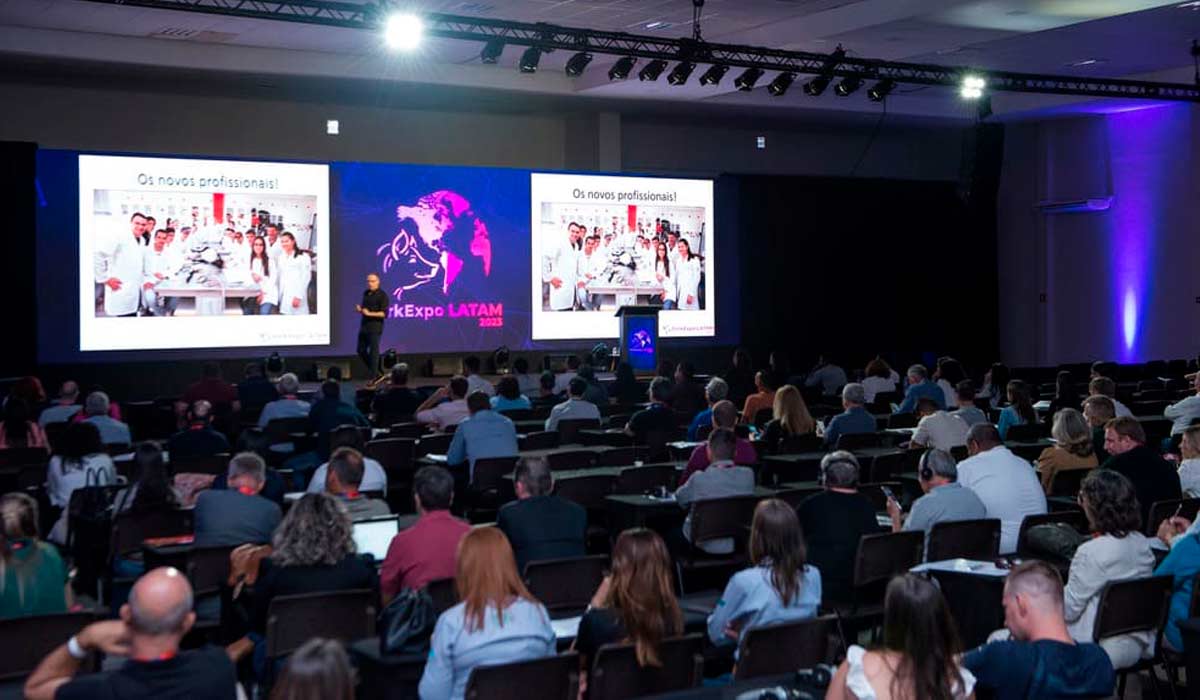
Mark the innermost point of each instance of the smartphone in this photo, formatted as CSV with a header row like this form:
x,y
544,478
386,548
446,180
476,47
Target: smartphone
x,y
888,492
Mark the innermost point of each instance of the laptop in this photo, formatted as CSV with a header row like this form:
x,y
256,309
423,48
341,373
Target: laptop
x,y
373,536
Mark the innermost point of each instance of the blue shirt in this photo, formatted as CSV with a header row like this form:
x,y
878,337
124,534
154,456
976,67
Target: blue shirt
x,y
1183,563
924,390
853,421
750,600
112,431
520,632
499,403
1008,418
702,418
283,408
1045,668
484,434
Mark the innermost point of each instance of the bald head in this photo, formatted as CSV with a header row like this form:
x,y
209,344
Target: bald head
x,y
69,391
201,410
160,604
724,415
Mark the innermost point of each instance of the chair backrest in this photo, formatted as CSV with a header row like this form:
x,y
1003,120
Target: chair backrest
x,y
292,620
968,539
795,444
1161,510
435,444
517,413
857,441
888,466
1074,518
540,440
1029,432
208,569
795,496
21,456
393,453
405,430
616,675
443,593
783,648
215,464
1133,605
568,428
571,459
489,472
282,429
38,636
902,420
722,517
881,557
874,493
617,457
130,528
547,678
644,478
588,491
565,584
1065,482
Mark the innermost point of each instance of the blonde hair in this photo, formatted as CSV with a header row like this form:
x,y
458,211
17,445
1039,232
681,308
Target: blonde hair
x,y
1072,432
791,411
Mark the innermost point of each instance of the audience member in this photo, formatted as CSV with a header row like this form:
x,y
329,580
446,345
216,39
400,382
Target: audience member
x,y
33,578
716,390
1103,386
546,396
595,392
255,391
854,420
826,375
147,632
1065,394
540,525
509,397
64,407
425,551
374,475
497,622
447,406
1098,411
919,655
150,488
213,389
1185,411
945,499
763,398
724,415
331,412
199,439
563,378
878,378
635,603
833,522
1073,448
1116,550
527,382
79,461
938,429
29,389
1189,468
687,398
19,429
967,410
348,394
1005,483
483,435
343,479
740,377
657,419
319,670
1019,410
1040,660
576,407
238,514
626,389
920,387
288,405
722,478
112,431
948,374
789,418
1182,564
995,385
396,400
474,381
1153,478
778,587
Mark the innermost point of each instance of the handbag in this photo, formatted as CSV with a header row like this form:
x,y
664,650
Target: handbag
x,y
244,562
406,624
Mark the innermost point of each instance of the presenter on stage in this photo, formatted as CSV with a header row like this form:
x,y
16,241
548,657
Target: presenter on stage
x,y
373,310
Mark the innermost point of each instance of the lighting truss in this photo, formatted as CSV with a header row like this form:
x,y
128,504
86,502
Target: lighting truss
x,y
369,16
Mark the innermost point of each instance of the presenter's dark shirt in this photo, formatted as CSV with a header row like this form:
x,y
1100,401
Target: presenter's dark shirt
x,y
374,301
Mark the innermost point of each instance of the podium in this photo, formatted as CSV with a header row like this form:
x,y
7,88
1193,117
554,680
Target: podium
x,y
639,337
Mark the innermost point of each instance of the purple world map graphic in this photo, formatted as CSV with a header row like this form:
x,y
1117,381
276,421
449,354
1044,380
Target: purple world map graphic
x,y
436,236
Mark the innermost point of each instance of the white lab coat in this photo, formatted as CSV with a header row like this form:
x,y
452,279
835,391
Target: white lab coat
x,y
295,271
670,290
687,278
268,284
561,263
153,265
120,256
587,267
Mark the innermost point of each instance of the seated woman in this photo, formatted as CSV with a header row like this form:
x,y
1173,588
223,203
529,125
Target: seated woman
x,y
497,622
19,429
1020,409
150,492
80,461
508,395
319,670
918,658
1116,550
1182,564
626,389
879,378
1074,448
33,578
1065,395
789,417
779,587
635,603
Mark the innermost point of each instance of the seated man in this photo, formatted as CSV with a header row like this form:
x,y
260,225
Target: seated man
x,y
724,415
716,390
834,521
484,434
722,478
937,429
1098,410
445,407
1152,477
967,410
238,514
919,387
575,407
255,390
426,551
538,524
343,480
1103,386
112,431
288,405
148,632
1040,660
855,420
331,412
687,397
374,475
945,500
595,393
64,408
1007,485
657,418
474,381
199,439
1182,412
396,399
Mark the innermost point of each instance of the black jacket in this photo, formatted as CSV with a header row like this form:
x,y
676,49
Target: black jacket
x,y
544,527
1153,478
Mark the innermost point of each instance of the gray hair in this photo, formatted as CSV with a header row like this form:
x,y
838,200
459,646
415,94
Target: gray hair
x,y
941,463
96,404
289,384
1072,432
716,389
316,530
918,371
660,389
247,464
854,393
534,474
840,469
160,623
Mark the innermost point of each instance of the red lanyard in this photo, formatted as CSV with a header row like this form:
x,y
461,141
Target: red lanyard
x,y
246,490
165,656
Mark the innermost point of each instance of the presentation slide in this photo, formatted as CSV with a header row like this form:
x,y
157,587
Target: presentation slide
x,y
601,242
451,247
186,253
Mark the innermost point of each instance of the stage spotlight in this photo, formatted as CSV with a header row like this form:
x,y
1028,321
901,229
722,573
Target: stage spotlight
x,y
847,86
747,79
681,72
780,84
577,63
713,75
491,51
620,69
972,87
652,70
403,32
880,90
816,86
530,59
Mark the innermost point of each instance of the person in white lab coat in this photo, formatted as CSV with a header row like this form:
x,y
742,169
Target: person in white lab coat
x,y
687,276
158,265
261,273
273,244
588,267
559,270
663,267
295,272
117,263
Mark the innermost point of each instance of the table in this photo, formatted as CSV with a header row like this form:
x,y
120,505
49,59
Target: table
x,y
973,591
637,510
440,459
625,294
806,466
204,292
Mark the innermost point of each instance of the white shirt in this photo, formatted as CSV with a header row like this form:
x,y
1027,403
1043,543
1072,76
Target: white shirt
x,y
1096,562
1122,411
561,380
155,263
949,392
571,409
1183,413
560,262
941,431
295,271
859,684
120,257
877,385
60,486
266,283
374,477
1008,487
1189,476
478,383
670,289
444,414
687,279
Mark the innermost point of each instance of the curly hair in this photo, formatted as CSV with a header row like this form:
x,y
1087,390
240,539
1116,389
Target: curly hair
x,y
1110,503
316,531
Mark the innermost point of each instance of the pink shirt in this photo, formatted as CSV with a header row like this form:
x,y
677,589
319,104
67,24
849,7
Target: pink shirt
x,y
743,455
424,552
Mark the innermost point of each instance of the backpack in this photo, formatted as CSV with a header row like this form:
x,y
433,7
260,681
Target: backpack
x,y
406,624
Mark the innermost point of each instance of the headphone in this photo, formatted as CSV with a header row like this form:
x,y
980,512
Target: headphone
x,y
824,467
924,471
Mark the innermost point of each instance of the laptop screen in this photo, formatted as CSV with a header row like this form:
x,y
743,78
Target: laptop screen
x,y
373,536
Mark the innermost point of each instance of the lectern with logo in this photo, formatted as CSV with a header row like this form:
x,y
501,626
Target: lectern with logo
x,y
639,337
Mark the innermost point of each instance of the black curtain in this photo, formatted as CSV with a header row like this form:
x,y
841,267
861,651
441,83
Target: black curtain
x,y
18,201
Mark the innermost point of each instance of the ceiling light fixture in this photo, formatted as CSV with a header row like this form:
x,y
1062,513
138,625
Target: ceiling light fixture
x,y
713,75
816,86
879,91
577,63
620,70
530,59
780,84
652,70
972,87
745,82
681,72
403,32
490,54
847,87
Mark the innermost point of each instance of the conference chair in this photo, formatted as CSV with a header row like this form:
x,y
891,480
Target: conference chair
x,y
1029,432
292,620
902,420
548,678
22,456
617,456
879,558
540,440
616,675
561,460
39,635
795,496
405,430
565,586
1161,510
782,648
858,441
215,464
966,539
1073,518
588,490
1066,482
635,480
874,493
434,444
568,429
715,519
796,444
443,593
1135,605
489,488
